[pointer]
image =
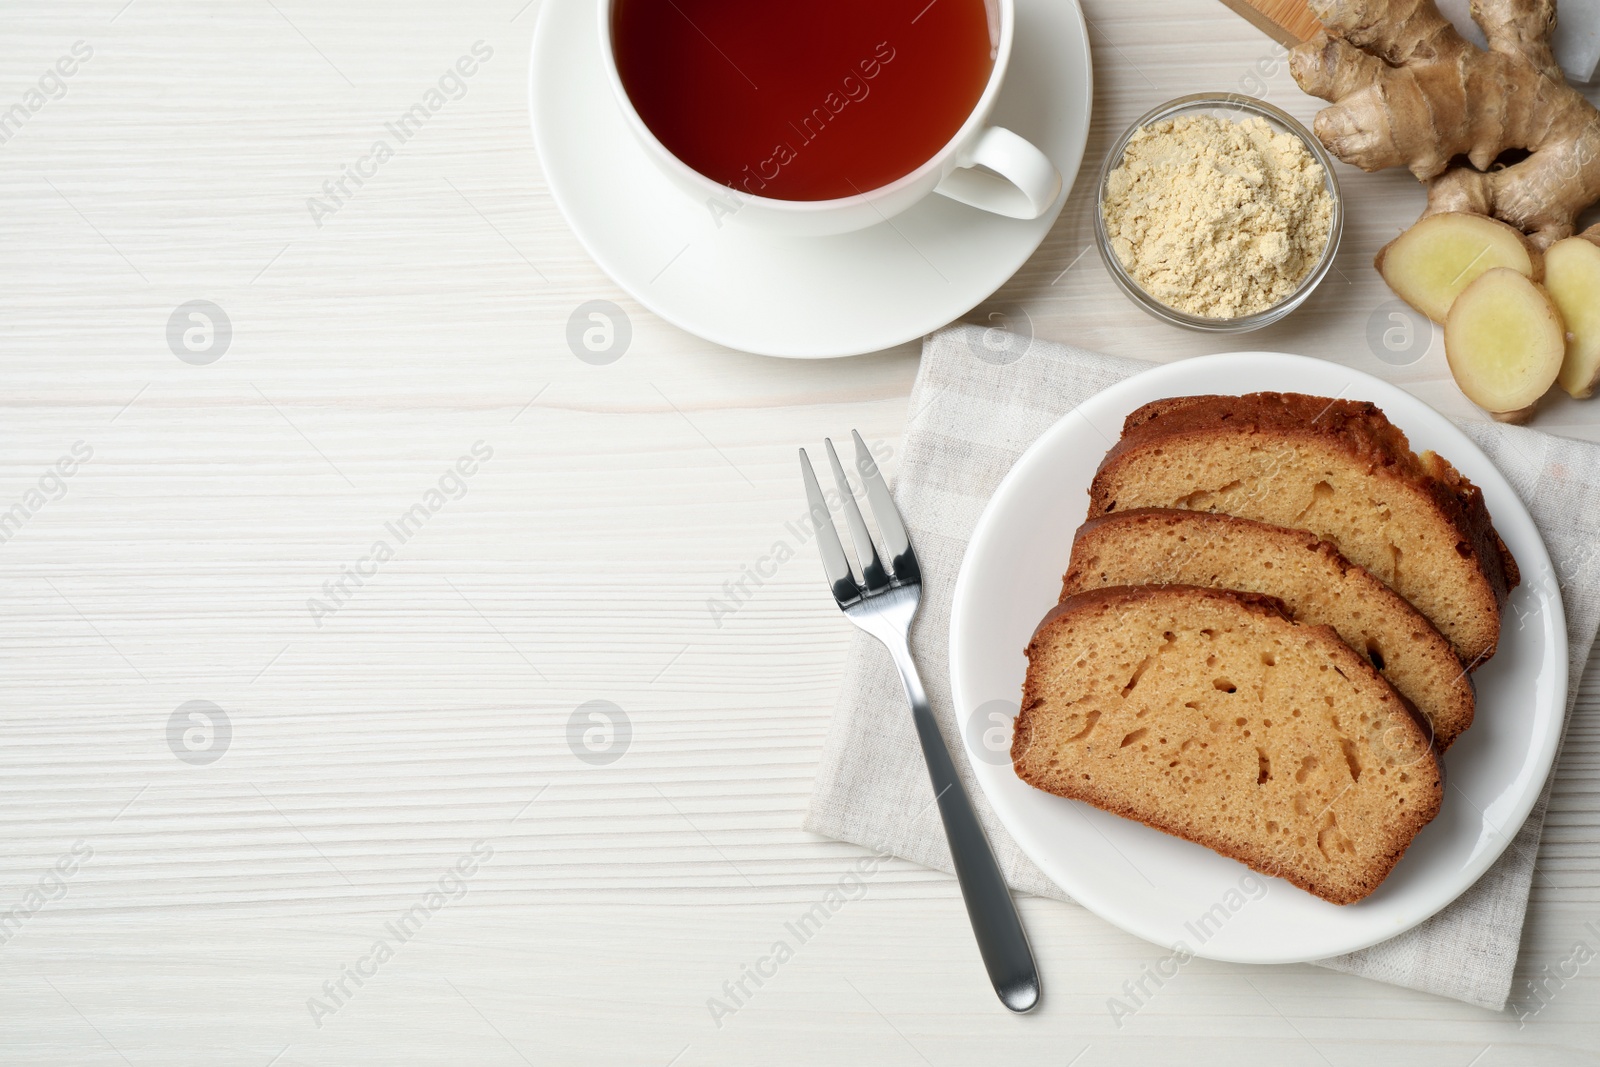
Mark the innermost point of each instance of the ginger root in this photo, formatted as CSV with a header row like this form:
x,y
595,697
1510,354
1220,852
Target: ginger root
x,y
1408,90
1439,256
1505,342
1573,279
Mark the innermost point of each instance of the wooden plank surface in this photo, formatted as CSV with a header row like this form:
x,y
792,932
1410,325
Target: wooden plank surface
x,y
372,741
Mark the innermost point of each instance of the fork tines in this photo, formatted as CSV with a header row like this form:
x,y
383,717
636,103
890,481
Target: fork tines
x,y
875,578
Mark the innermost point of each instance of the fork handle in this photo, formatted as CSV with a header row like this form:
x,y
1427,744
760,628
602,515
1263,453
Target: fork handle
x,y
1002,941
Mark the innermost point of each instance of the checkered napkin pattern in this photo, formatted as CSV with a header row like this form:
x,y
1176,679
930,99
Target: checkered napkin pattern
x,y
981,398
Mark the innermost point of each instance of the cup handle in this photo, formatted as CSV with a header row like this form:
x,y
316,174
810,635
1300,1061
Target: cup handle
x,y
1018,181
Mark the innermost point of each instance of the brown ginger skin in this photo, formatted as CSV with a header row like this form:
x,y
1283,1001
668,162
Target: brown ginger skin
x,y
1409,91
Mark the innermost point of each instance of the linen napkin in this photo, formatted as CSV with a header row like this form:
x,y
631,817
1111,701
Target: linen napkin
x,y
981,397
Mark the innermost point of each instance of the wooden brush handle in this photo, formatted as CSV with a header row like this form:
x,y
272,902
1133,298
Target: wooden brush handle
x,y
1286,21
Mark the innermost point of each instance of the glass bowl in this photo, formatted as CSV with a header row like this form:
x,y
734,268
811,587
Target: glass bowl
x,y
1233,107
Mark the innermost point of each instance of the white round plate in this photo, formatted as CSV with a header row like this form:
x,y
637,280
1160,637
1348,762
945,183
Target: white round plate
x,y
795,296
1181,895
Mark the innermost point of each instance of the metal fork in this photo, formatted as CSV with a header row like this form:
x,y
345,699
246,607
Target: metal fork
x,y
883,603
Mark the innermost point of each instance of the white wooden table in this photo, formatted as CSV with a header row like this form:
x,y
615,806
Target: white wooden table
x,y
212,908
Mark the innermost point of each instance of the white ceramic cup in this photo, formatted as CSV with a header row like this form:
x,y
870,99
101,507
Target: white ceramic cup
x,y
1016,179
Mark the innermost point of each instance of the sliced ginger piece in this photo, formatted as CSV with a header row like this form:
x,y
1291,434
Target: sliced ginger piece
x,y
1430,264
1572,276
1505,342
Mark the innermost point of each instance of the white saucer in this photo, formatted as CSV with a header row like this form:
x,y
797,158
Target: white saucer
x,y
1176,893
806,297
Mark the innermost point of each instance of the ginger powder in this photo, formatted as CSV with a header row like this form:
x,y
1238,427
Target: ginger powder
x,y
1214,218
